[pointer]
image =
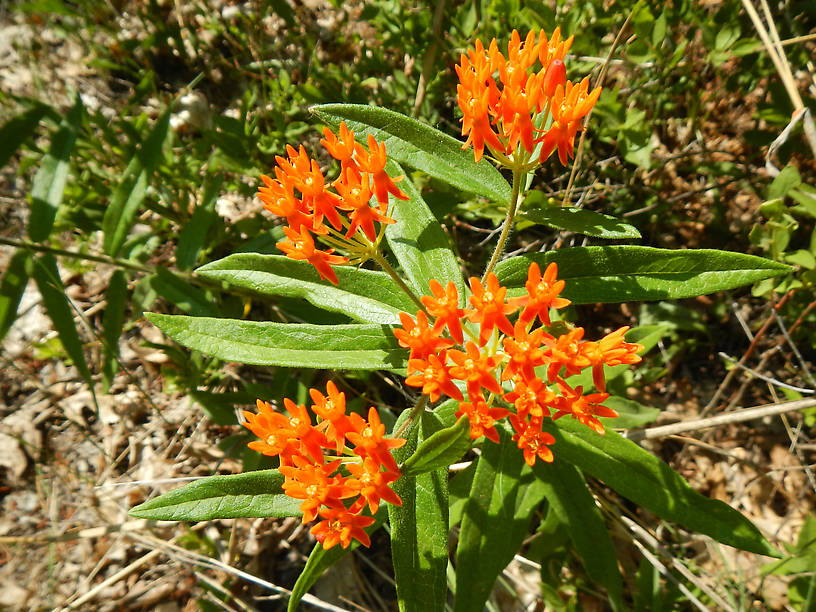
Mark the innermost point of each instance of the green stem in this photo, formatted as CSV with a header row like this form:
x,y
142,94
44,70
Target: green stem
x,y
377,256
35,246
518,172
417,410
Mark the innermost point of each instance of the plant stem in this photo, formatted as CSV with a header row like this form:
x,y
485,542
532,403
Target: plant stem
x,y
35,246
377,256
518,172
418,408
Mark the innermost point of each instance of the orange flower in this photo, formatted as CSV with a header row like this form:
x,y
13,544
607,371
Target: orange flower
x,y
490,309
419,337
355,190
433,376
482,417
369,438
584,408
504,118
301,246
342,148
531,398
524,352
341,527
332,409
565,351
542,294
570,104
531,440
475,368
371,485
323,486
373,161
444,305
611,350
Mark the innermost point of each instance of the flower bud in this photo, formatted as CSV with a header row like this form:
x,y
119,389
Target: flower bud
x,y
556,75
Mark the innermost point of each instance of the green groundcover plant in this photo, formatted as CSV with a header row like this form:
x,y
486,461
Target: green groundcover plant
x,y
495,365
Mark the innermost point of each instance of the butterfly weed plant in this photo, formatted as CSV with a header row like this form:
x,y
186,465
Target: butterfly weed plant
x,y
497,376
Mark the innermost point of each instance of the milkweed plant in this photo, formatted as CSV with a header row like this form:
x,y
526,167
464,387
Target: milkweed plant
x,y
498,380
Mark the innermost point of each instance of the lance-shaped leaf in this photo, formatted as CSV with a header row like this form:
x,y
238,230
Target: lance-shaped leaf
x,y
632,273
419,146
49,182
347,347
503,496
581,221
569,497
129,195
644,479
419,529
14,282
16,130
364,295
113,320
49,283
178,291
194,235
252,494
443,448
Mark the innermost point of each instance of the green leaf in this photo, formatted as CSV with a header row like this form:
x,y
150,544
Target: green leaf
x,y
12,287
194,234
252,494
49,182
113,320
568,495
630,413
348,347
129,195
644,479
48,281
16,131
419,146
364,295
503,496
582,221
606,274
789,178
178,291
320,560
443,448
419,529
419,243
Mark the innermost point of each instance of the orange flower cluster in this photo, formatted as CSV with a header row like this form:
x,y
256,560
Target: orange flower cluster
x,y
362,176
352,475
517,112
499,354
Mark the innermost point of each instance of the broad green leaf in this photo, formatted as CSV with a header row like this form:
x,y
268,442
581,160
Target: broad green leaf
x,y
644,479
14,282
419,243
419,146
568,495
49,182
16,130
582,221
503,496
443,448
787,179
419,529
193,235
606,274
129,195
347,347
364,295
178,291
48,281
113,320
252,494
630,413
320,560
